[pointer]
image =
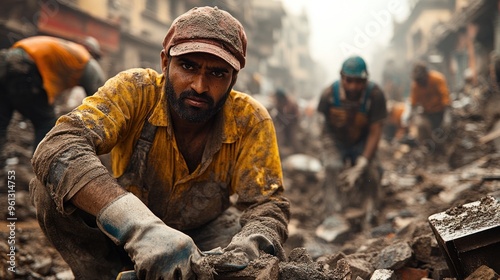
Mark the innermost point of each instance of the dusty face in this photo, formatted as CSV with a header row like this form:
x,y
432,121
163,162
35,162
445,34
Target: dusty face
x,y
197,85
353,87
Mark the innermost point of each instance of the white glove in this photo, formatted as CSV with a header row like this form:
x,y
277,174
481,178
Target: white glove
x,y
406,116
158,251
447,117
352,174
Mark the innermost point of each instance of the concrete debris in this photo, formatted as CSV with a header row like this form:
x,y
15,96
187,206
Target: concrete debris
x,y
383,274
65,275
265,268
394,256
42,266
469,235
398,244
302,163
483,273
333,229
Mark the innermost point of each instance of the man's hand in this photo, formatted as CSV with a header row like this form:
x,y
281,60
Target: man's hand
x,y
407,115
242,250
352,174
158,251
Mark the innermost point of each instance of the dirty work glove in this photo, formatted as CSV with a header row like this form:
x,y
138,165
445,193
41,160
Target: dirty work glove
x,y
242,250
158,251
447,118
407,115
352,174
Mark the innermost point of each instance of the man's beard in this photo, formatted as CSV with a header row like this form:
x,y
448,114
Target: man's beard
x,y
190,113
353,95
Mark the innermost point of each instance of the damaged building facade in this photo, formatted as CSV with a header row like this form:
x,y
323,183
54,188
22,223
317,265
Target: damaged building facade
x,y
131,33
455,37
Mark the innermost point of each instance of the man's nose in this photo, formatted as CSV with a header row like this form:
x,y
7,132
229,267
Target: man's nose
x,y
200,84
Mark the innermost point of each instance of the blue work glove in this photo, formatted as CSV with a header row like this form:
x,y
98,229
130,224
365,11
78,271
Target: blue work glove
x,y
158,251
242,250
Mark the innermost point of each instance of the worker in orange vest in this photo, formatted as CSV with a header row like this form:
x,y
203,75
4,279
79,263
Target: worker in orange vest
x,y
36,70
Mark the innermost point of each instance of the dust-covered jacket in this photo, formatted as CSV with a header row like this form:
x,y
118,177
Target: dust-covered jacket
x,y
241,156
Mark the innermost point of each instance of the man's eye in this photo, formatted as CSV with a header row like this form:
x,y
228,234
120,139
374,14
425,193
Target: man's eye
x,y
218,74
187,66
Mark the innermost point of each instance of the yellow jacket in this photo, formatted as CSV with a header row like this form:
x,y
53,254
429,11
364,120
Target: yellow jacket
x,y
241,156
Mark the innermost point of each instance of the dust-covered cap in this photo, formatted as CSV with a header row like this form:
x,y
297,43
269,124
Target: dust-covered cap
x,y
209,30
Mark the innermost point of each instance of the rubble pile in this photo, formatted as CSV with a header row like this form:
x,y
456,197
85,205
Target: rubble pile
x,y
402,244
399,244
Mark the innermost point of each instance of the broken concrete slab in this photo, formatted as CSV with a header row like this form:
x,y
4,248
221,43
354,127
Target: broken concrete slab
x,y
483,273
359,267
394,256
469,235
383,274
425,248
302,163
333,229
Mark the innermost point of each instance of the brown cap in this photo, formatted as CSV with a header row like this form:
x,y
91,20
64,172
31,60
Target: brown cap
x,y
209,30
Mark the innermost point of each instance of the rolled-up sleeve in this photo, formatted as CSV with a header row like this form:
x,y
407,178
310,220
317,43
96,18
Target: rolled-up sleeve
x,y
66,160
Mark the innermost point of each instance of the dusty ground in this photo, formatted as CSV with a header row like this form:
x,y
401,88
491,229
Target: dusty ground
x,y
416,185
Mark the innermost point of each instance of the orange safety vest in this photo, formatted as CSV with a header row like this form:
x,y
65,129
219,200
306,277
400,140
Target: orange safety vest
x,y
60,62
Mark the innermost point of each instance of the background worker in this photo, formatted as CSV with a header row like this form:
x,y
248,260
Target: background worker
x,y
182,143
287,122
35,71
430,91
393,128
354,110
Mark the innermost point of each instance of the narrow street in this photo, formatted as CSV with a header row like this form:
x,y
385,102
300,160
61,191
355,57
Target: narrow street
x,y
403,95
416,186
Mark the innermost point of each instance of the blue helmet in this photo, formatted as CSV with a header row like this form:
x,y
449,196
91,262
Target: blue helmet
x,y
354,67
